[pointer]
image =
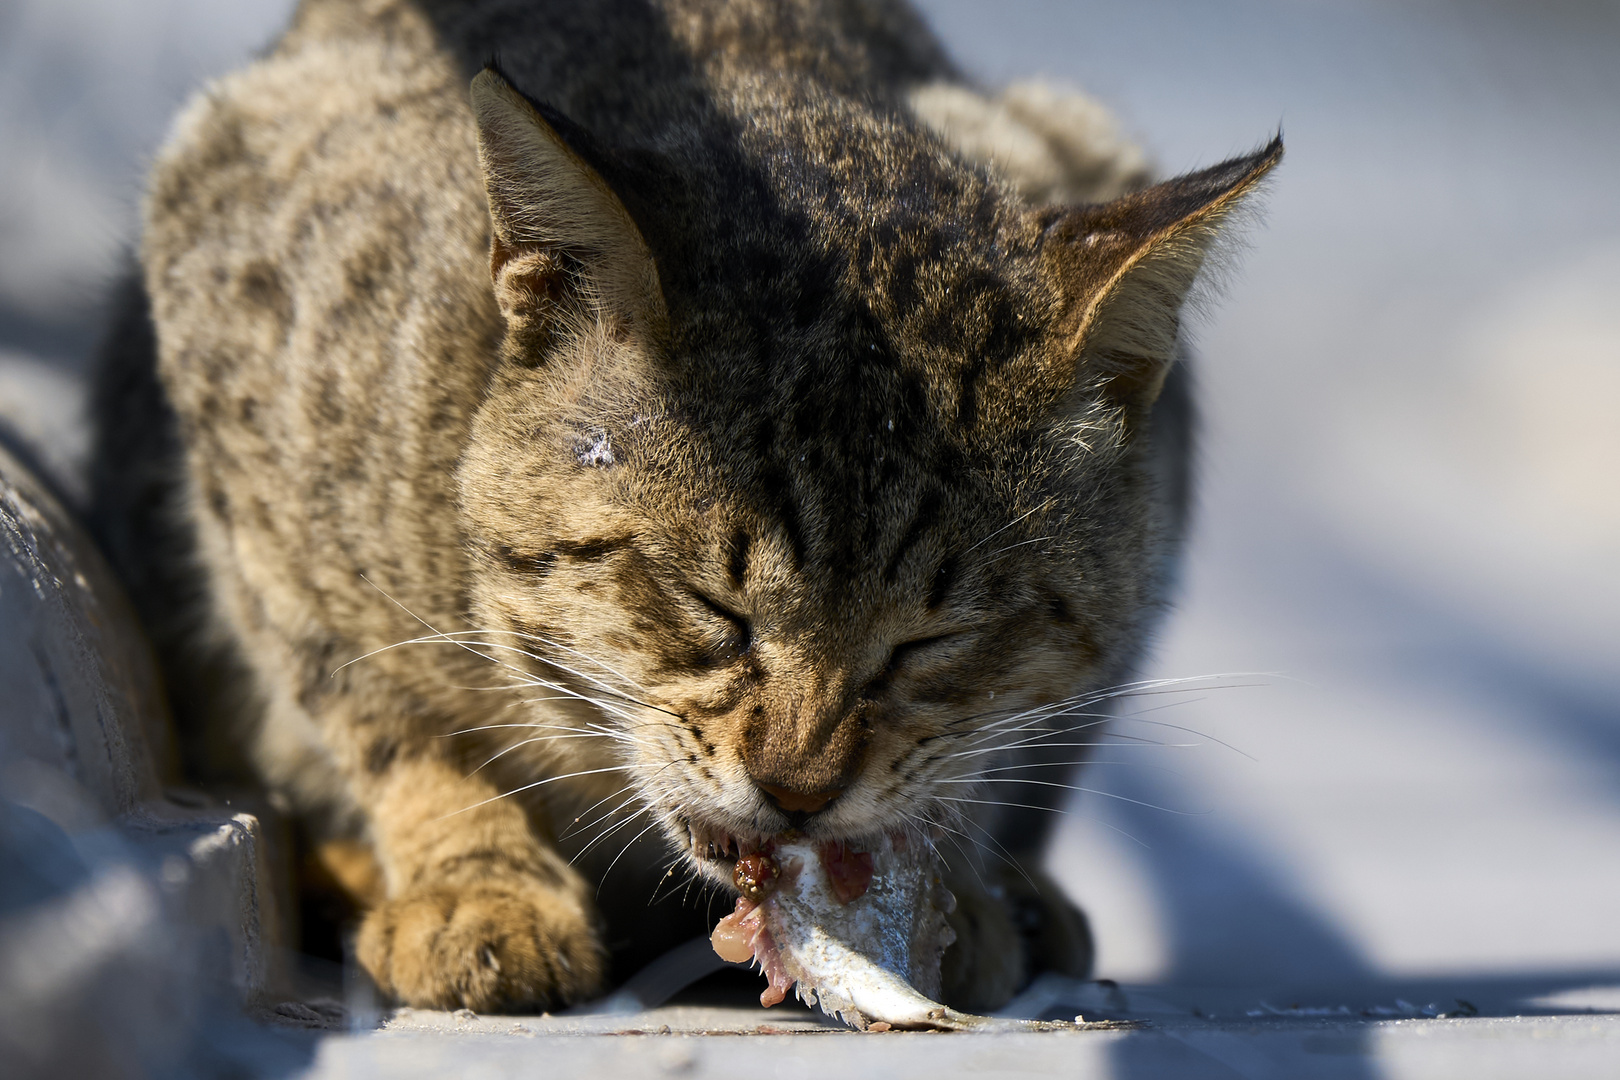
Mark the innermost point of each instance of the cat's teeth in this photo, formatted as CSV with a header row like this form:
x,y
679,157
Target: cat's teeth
x,y
712,844
705,845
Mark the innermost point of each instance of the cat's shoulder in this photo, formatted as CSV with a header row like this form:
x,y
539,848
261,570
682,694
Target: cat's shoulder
x,y
318,113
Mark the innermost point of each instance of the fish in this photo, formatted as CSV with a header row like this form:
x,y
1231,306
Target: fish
x,y
860,934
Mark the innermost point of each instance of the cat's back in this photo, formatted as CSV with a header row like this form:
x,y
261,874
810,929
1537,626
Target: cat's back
x,y
357,88
315,190
326,202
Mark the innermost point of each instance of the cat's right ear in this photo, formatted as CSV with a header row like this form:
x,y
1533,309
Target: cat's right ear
x,y
560,236
1123,271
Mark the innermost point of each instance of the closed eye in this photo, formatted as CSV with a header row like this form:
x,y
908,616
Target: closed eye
x,y
901,654
742,631
911,650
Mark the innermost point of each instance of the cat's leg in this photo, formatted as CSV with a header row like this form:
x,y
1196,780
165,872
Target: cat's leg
x,y
480,914
1012,922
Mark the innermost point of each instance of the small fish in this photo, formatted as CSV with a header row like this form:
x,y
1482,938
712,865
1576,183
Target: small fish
x,y
861,934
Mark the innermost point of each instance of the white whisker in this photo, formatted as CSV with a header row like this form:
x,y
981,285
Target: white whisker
x,y
991,802
608,830
1116,739
628,845
530,787
1009,525
1071,787
1005,855
1021,543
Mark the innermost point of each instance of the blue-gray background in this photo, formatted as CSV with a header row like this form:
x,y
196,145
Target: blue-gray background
x,y
1410,508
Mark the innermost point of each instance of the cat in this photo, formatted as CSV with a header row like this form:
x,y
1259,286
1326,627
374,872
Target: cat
x,y
553,444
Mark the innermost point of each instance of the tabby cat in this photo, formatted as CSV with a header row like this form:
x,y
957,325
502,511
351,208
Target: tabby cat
x,y
710,418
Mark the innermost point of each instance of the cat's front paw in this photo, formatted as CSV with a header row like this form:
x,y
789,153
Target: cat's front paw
x,y
1010,926
496,945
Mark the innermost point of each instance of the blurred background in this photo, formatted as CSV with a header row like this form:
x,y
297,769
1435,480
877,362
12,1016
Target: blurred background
x,y
1409,530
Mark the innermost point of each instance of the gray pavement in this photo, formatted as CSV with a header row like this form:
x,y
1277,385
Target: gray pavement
x,y
727,1043
1409,526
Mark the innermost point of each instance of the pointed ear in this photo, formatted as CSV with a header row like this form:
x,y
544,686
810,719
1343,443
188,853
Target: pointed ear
x,y
1124,270
561,236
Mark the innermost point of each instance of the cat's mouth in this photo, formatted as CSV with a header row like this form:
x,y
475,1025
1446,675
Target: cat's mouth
x,y
719,848
718,851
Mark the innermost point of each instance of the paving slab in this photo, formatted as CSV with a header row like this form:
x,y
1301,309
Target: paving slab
x,y
729,1043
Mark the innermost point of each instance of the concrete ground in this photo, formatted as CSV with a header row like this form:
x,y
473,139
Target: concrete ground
x,y
727,1043
1397,796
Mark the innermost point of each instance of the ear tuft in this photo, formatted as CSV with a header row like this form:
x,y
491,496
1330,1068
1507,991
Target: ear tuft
x,y
559,231
1125,268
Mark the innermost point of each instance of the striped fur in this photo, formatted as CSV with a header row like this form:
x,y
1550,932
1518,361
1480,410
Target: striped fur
x,y
695,406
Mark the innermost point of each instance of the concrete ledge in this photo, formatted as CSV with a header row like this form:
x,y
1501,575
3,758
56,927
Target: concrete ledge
x,y
725,1044
126,918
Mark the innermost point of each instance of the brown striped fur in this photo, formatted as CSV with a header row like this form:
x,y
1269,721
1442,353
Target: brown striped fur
x,y
726,373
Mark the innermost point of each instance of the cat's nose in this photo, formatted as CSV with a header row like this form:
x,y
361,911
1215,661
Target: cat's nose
x,y
795,803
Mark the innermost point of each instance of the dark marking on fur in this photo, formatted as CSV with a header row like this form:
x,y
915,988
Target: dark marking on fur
x,y
652,608
260,285
764,440
219,502
967,411
737,558
538,564
482,861
593,550
705,745
927,514
939,586
367,272
327,400
381,754
779,489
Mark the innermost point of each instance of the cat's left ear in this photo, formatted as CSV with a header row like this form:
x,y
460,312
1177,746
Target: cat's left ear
x,y
561,235
1124,269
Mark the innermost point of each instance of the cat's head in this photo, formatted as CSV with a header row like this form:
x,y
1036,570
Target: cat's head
x,y
813,486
